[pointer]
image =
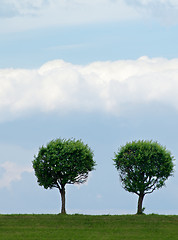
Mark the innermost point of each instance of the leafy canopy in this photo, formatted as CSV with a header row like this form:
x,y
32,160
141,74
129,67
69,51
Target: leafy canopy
x,y
63,161
143,166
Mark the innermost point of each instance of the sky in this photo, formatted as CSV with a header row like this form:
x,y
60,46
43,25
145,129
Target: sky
x,y
104,71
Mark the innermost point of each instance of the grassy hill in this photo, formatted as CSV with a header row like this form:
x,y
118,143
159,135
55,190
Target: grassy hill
x,y
76,227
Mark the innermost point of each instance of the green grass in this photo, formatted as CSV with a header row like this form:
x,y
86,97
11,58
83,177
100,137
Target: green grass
x,y
76,227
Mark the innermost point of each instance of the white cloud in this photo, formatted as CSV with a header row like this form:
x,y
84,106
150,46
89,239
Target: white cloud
x,y
169,3
20,15
12,172
11,8
100,86
166,11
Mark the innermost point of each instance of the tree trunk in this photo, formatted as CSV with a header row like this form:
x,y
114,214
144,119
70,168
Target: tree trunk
x,y
140,202
62,191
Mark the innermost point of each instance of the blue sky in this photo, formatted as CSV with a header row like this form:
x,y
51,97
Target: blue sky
x,y
104,71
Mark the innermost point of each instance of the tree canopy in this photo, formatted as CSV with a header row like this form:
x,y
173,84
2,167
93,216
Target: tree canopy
x,y
143,166
63,162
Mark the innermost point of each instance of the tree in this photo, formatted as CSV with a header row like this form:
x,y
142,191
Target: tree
x,y
63,162
143,166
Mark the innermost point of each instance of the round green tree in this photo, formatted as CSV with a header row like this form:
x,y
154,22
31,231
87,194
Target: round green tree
x,y
63,162
143,166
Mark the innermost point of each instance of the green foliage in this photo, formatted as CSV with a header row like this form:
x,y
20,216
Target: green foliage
x,y
63,161
143,166
82,227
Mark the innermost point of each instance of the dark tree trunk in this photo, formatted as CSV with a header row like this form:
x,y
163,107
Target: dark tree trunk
x,y
140,202
62,191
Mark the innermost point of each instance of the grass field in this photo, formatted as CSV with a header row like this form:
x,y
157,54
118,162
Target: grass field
x,y
76,227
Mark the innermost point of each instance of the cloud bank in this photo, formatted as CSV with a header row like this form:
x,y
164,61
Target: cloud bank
x,y
108,87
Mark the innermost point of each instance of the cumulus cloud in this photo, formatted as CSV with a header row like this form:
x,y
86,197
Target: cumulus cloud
x,y
62,87
12,172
